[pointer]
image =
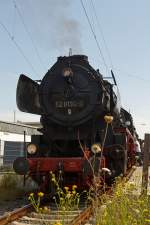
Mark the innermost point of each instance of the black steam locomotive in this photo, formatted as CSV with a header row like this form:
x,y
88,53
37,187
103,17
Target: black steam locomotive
x,y
73,99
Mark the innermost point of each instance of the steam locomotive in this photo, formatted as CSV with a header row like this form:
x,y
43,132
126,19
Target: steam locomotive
x,y
76,141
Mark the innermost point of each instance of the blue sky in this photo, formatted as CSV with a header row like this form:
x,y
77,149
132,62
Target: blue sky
x,y
46,29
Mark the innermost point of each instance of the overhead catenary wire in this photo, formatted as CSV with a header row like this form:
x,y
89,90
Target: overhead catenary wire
x,y
92,17
29,34
102,34
106,47
94,35
13,22
133,75
18,47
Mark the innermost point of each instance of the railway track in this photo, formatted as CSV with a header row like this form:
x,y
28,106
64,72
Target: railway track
x,y
25,215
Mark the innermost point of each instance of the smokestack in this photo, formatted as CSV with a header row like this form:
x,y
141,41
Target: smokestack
x,y
70,51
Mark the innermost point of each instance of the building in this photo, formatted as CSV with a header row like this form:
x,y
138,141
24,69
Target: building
x,y
11,147
12,139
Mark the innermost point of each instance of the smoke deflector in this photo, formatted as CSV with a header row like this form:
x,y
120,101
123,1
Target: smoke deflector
x,y
27,96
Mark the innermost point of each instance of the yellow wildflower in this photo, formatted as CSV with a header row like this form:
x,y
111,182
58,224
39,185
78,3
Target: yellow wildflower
x,y
40,194
141,201
66,188
145,210
118,194
45,208
74,187
57,223
31,194
53,180
108,119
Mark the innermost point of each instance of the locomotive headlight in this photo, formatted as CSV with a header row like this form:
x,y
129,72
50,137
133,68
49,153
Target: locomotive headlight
x,y
31,149
96,148
67,72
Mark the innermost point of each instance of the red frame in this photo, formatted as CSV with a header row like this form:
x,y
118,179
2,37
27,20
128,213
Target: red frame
x,y
72,165
51,164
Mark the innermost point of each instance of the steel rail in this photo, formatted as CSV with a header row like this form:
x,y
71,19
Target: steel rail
x,y
16,214
84,215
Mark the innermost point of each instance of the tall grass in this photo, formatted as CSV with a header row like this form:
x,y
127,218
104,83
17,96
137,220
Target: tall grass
x,y
11,187
123,208
6,168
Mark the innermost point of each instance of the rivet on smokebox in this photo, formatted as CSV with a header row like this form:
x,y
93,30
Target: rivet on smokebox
x,y
108,119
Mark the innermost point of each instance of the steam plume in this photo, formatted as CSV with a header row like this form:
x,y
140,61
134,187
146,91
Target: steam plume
x,y
58,27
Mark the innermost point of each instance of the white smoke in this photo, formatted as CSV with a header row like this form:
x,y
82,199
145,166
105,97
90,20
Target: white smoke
x,y
58,29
